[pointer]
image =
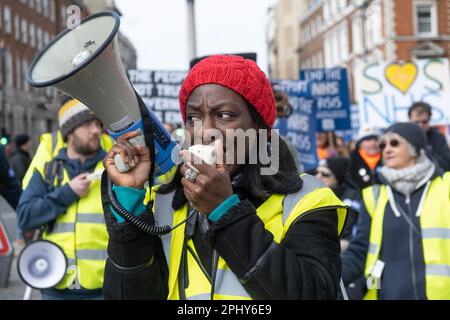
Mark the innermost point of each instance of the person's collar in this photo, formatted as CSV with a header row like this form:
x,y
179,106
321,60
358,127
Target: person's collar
x,y
364,154
436,172
20,150
99,156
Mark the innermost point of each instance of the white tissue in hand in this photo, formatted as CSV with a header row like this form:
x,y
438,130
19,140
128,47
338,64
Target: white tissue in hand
x,y
206,153
96,175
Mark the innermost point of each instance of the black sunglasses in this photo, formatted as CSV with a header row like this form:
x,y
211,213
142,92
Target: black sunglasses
x,y
393,143
324,174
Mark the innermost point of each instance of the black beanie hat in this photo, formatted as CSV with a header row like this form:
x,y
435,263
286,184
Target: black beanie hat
x,y
339,166
412,133
21,139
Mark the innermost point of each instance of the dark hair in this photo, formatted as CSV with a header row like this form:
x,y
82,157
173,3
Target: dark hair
x,y
21,139
256,185
421,107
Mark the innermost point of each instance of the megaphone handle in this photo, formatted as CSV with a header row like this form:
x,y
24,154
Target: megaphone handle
x,y
27,295
120,164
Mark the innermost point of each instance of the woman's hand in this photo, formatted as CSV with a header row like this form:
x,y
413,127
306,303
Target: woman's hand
x,y
212,186
137,157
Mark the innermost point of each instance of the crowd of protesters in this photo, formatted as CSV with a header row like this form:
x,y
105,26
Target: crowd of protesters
x,y
396,184
392,189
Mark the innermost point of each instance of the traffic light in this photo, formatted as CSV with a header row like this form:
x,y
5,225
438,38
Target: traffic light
x,y
4,139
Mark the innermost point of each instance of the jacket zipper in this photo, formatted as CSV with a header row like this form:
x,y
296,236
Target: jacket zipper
x,y
411,251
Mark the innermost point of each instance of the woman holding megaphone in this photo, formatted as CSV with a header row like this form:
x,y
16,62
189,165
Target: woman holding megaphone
x,y
237,231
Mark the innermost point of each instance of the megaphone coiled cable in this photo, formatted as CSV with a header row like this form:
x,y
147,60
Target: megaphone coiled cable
x,y
136,221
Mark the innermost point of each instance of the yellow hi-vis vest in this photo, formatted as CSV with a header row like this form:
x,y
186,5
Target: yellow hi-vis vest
x,y
435,229
81,233
278,213
167,177
49,146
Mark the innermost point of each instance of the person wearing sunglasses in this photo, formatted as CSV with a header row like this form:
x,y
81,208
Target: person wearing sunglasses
x,y
334,173
366,158
402,237
420,113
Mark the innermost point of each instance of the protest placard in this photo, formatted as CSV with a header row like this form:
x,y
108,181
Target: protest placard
x,y
159,89
385,91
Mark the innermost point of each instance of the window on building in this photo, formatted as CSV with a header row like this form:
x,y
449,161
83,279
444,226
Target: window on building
x,y
306,34
17,27
376,25
39,6
46,38
326,10
64,14
45,8
343,42
327,48
426,18
18,73
335,52
24,75
357,39
1,75
32,35
40,38
313,29
7,17
8,69
31,4
318,23
342,4
52,10
333,7
24,31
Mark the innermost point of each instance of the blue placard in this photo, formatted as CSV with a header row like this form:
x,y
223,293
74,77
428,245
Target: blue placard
x,y
300,127
330,89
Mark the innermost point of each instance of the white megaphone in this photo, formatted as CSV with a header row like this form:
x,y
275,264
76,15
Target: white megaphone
x,y
42,264
84,62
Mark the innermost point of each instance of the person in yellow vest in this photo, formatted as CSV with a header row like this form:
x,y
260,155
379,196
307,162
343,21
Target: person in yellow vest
x,y
63,198
250,236
402,237
50,143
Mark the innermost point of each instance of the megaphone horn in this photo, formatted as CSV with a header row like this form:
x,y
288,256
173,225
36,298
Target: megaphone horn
x,y
84,62
42,264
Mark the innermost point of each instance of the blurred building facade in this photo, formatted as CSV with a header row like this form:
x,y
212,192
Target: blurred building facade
x,y
283,38
346,32
127,50
26,26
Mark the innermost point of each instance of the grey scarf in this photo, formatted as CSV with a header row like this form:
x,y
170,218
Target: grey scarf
x,y
407,180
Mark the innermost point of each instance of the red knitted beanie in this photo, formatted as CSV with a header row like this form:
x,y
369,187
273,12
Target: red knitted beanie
x,y
236,73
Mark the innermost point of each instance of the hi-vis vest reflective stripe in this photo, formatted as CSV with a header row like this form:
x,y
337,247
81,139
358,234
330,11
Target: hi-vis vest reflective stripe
x,y
278,213
435,228
50,144
167,177
81,233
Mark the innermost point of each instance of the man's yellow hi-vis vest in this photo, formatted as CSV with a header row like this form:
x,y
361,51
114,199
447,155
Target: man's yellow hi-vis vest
x,y
278,213
81,231
435,229
50,144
